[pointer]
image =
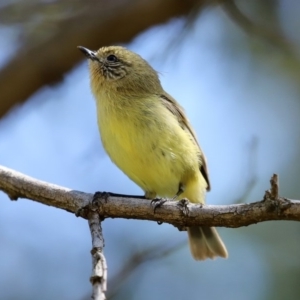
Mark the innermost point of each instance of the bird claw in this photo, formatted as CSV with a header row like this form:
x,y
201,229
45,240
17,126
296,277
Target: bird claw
x,y
157,202
183,206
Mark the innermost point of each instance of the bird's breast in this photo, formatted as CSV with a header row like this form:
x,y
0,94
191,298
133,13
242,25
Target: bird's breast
x,y
146,142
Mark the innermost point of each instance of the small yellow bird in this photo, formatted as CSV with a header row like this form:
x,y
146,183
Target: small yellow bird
x,y
148,136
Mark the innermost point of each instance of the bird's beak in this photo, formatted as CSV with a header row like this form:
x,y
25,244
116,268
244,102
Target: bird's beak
x,y
88,53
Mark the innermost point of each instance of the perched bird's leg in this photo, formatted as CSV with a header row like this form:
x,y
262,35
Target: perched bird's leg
x,y
158,202
180,191
183,206
155,201
182,203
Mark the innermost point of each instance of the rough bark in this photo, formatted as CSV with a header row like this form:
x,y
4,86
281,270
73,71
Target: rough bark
x,y
180,214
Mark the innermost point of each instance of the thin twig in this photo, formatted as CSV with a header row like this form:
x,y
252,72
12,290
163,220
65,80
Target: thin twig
x,y
99,273
274,186
154,252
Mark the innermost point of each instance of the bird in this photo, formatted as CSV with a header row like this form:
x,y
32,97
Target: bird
x,y
147,134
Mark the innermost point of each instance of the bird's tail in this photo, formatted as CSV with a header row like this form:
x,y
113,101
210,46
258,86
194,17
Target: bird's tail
x,y
205,242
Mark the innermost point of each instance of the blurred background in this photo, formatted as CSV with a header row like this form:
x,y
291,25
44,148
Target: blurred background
x,y
233,65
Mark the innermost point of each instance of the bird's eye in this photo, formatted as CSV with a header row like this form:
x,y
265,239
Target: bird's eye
x,y
112,58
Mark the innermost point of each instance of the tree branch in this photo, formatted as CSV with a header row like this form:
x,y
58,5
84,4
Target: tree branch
x,y
17,185
94,24
99,274
139,257
275,37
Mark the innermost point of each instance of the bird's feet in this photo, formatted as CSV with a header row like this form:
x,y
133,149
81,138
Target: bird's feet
x,y
183,206
158,202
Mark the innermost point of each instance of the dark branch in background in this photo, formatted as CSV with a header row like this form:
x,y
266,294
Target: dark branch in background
x,y
94,24
52,30
17,185
155,252
136,259
250,171
275,37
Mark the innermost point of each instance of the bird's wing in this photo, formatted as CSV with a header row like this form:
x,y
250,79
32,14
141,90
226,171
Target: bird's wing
x,y
174,107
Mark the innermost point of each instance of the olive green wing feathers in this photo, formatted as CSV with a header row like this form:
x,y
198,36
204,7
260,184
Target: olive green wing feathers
x,y
174,107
